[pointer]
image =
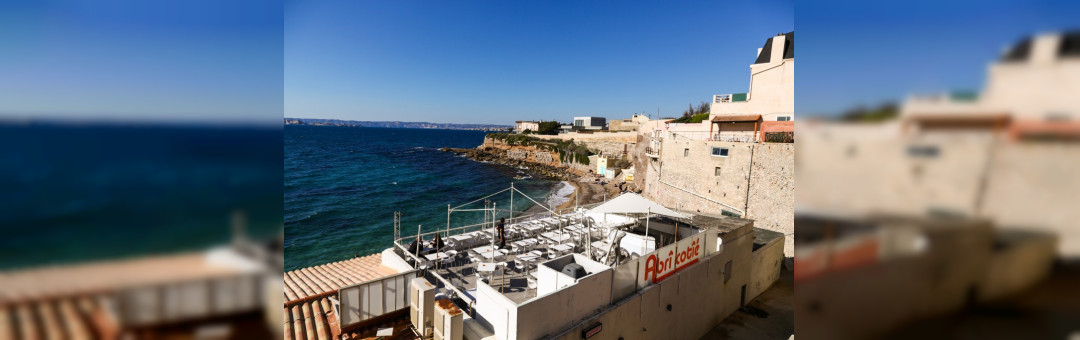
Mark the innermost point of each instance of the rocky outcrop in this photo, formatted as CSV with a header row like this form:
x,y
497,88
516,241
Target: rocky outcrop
x,y
498,155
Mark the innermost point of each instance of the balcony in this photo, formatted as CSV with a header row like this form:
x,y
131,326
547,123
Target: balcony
x,y
652,152
743,137
729,98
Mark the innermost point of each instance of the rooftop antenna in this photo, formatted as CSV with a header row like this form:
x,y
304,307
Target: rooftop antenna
x,y
239,226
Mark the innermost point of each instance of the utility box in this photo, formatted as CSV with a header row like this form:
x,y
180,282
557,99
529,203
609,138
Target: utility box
x,y
448,321
421,303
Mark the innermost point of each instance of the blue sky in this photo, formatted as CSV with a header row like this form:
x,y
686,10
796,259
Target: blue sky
x,y
867,52
187,61
500,61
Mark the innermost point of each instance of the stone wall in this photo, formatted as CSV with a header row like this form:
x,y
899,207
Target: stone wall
x,y
1015,184
517,153
772,191
754,180
608,143
544,157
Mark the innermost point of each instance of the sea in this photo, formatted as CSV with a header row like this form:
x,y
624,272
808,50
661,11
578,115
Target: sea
x,y
343,185
73,193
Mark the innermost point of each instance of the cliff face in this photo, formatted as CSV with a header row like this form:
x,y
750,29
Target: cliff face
x,y
543,162
609,143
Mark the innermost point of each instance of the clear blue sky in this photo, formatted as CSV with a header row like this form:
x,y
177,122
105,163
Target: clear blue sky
x,y
867,52
500,61
128,60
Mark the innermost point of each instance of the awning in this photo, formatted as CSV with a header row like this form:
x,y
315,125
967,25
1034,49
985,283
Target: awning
x,y
630,203
737,118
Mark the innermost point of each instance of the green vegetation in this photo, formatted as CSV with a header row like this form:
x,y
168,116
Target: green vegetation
x,y
549,128
697,118
567,148
862,114
694,115
780,137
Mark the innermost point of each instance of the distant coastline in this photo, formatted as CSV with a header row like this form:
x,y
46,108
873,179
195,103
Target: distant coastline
x,y
395,124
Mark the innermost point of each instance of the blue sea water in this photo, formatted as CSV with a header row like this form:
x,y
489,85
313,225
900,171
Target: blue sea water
x,y
76,193
343,184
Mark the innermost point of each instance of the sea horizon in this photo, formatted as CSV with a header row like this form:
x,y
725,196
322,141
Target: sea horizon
x,y
342,186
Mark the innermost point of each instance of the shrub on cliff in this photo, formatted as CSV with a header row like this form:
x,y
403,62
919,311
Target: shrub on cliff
x,y
549,128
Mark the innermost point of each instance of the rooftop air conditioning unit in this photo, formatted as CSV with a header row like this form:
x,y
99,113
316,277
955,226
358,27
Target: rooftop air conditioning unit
x,y
448,321
421,302
574,270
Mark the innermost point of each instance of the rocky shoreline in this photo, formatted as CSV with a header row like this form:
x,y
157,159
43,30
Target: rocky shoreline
x,y
585,187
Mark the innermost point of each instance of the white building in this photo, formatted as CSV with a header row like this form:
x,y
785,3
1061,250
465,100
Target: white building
x,y
522,125
589,123
1030,91
770,98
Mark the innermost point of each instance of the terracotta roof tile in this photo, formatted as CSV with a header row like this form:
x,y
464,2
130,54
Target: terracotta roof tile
x,y
317,320
311,281
67,318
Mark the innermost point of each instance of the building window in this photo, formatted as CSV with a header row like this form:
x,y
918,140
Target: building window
x,y
783,118
925,151
722,152
717,173
727,271
686,152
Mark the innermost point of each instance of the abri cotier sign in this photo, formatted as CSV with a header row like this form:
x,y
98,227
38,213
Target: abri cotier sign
x,y
660,264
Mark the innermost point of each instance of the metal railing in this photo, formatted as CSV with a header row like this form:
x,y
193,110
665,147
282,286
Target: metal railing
x,y
735,137
652,152
729,98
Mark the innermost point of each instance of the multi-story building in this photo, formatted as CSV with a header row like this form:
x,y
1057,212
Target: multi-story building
x,y
767,109
731,164
1030,92
522,125
997,155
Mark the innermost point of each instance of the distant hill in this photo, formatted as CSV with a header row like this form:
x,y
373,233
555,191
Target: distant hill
x,y
408,125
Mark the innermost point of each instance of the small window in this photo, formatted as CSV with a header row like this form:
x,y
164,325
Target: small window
x,y
717,173
686,152
727,271
722,152
926,151
1058,117
783,118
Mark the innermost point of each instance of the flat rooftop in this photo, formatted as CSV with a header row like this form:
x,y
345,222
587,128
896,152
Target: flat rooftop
x,y
530,243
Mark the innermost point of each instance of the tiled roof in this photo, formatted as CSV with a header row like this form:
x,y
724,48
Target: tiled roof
x,y
311,316
312,281
69,318
316,320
